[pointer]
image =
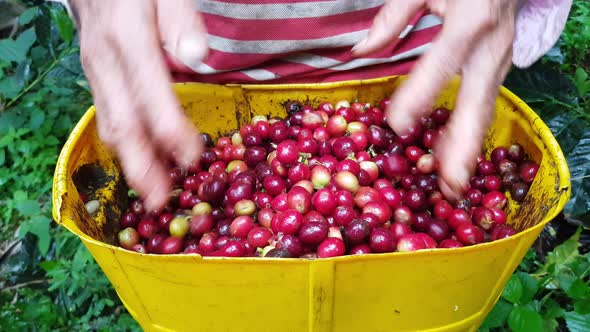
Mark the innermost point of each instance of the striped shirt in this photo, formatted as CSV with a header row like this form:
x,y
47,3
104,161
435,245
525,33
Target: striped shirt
x,y
280,41
296,41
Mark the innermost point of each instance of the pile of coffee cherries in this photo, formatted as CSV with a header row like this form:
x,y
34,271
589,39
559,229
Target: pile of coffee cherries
x,y
328,181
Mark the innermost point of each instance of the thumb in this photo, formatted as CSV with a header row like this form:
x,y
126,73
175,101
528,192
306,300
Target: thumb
x,y
388,25
182,30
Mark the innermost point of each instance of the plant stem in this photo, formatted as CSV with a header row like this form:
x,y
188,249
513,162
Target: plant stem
x,y
544,298
576,108
24,284
39,78
580,178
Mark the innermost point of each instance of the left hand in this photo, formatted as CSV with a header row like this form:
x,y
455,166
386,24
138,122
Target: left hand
x,y
476,42
138,116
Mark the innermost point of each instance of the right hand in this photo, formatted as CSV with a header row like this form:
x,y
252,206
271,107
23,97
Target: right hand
x,y
478,48
138,115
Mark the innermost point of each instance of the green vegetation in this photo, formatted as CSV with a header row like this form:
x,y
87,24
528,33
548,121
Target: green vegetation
x,y
49,281
546,295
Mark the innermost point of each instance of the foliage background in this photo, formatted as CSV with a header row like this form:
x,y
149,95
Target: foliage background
x,y
49,281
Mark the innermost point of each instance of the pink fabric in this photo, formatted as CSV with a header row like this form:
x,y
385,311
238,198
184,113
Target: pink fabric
x,y
538,26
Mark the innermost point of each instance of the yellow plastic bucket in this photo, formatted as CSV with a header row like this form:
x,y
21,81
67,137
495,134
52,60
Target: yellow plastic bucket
x,y
430,290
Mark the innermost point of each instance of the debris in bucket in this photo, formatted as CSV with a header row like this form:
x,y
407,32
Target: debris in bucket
x,y
327,182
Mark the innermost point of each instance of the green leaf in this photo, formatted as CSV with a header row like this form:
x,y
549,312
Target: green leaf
x,y
523,319
565,126
578,290
127,323
42,312
65,26
10,120
565,279
582,306
51,140
49,266
550,324
581,81
553,309
28,207
11,50
498,316
46,31
529,287
539,83
20,195
37,118
81,257
513,289
576,322
581,266
9,86
579,164
28,15
563,254
63,123
529,262
38,226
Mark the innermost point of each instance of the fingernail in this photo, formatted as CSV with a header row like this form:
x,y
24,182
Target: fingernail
x,y
402,125
152,203
447,191
158,197
191,49
188,157
463,178
191,153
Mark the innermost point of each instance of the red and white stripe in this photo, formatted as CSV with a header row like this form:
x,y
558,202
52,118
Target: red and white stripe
x,y
299,41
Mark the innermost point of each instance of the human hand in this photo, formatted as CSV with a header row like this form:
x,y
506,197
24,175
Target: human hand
x,y
138,115
475,41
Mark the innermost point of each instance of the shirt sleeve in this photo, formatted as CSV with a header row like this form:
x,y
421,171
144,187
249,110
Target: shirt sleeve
x,y
539,24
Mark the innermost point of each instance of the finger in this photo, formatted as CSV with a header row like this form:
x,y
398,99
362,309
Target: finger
x,y
389,23
459,148
143,170
182,30
432,72
120,130
437,7
150,82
